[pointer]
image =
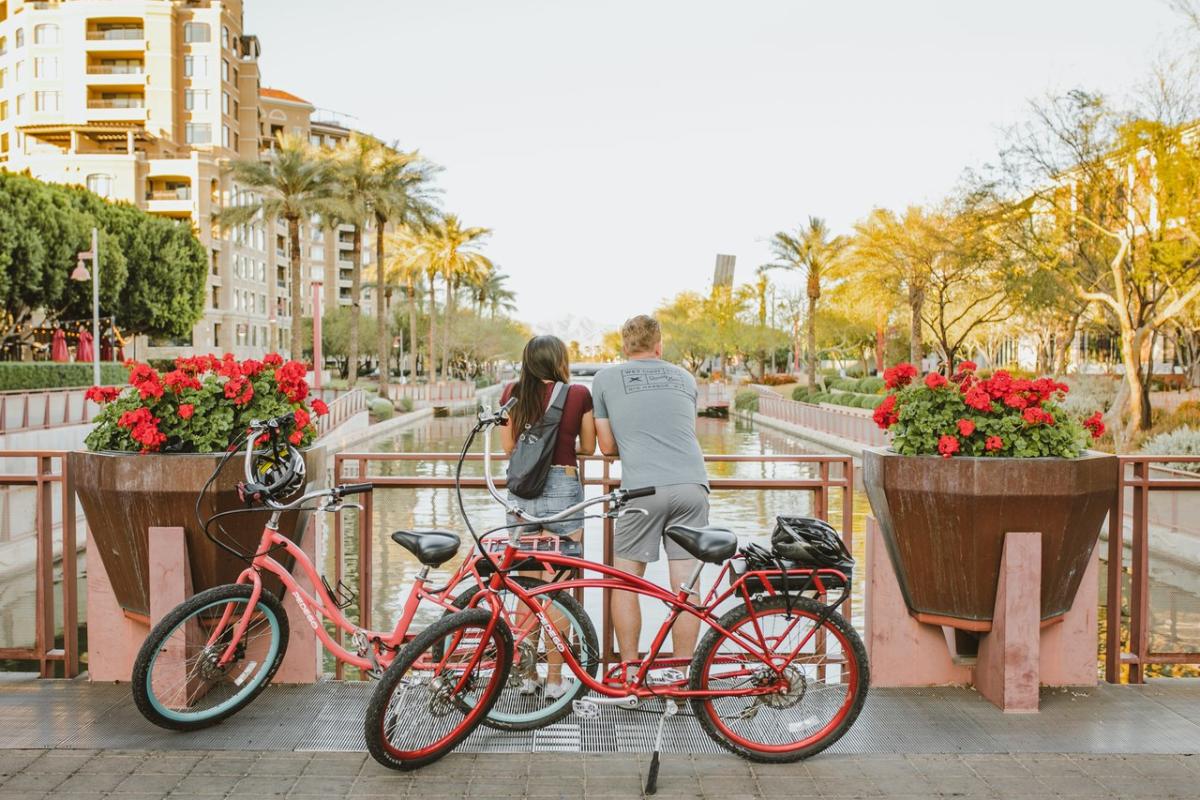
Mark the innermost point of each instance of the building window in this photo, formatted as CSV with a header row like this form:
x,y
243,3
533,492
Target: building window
x,y
225,138
20,66
45,67
20,104
224,36
100,184
224,70
3,75
197,133
195,66
46,33
196,32
216,332
195,99
19,38
216,302
224,102
46,101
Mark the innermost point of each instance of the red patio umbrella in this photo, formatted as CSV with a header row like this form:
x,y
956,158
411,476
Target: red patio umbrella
x,y
84,352
58,346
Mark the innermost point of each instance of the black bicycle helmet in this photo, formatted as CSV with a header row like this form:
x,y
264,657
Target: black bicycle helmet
x,y
278,472
810,542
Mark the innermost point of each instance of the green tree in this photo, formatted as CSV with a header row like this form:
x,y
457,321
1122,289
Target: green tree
x,y
292,182
811,250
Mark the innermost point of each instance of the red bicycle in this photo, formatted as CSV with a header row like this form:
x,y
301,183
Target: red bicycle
x,y
779,677
214,653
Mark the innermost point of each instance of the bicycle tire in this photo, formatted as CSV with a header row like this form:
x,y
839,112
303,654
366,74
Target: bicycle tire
x,y
586,651
385,718
158,709
739,742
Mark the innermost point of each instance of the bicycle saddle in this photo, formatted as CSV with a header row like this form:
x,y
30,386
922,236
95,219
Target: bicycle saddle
x,y
710,544
432,548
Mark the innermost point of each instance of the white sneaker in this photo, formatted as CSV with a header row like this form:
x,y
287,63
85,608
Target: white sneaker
x,y
553,691
529,686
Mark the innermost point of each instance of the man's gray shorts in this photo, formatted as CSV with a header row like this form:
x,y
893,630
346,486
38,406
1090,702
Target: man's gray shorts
x,y
638,537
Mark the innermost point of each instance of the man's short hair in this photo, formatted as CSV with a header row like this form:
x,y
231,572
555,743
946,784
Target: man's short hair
x,y
640,334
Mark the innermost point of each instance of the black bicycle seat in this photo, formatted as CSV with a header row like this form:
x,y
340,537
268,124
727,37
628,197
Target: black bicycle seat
x,y
432,548
711,544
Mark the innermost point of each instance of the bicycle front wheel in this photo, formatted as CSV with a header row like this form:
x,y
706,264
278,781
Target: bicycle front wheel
x,y
529,699
817,677
438,689
181,678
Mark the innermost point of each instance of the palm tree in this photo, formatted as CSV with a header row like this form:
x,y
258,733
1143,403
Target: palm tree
x,y
405,268
400,195
353,168
448,250
292,182
809,249
493,293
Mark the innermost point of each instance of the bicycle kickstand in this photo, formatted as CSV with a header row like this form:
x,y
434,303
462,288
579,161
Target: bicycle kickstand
x,y
672,708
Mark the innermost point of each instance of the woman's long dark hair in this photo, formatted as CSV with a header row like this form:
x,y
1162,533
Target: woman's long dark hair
x,y
545,359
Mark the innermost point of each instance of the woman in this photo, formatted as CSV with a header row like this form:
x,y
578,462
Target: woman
x,y
544,363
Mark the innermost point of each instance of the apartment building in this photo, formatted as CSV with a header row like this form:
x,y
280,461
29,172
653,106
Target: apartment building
x,y
145,101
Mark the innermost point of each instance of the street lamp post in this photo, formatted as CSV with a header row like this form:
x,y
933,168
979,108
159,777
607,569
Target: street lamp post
x,y
80,273
316,326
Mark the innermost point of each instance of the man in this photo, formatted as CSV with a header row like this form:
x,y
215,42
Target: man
x,y
645,411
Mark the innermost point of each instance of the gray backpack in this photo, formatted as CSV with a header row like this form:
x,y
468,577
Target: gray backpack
x,y
529,465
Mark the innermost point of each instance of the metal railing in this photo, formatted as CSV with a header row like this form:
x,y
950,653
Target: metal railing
x,y
343,406
1138,475
42,479
116,34
129,102
49,408
853,424
115,69
182,193
713,395
431,394
833,472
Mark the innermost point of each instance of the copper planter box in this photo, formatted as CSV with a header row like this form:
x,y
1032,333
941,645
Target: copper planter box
x,y
943,521
125,494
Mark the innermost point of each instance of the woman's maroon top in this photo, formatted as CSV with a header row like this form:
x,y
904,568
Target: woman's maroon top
x,y
579,402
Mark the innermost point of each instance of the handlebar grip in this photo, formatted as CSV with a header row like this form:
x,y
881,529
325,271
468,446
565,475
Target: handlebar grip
x,y
355,488
645,491
504,409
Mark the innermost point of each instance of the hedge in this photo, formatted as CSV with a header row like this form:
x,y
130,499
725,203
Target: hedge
x,y
17,375
746,400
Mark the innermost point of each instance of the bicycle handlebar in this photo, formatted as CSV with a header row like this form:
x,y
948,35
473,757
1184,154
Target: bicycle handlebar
x,y
354,488
645,491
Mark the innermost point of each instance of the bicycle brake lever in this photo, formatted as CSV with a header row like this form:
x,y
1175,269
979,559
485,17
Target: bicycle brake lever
x,y
631,510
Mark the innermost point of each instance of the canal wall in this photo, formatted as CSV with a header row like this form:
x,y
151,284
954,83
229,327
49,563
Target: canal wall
x,y
837,444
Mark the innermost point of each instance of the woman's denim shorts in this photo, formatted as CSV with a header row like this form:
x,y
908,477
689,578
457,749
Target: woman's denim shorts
x,y
561,491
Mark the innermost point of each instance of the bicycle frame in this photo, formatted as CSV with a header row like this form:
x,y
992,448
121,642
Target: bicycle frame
x,y
678,603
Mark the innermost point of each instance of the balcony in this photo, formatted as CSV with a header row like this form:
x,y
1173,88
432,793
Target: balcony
x,y
122,108
169,198
109,37
132,75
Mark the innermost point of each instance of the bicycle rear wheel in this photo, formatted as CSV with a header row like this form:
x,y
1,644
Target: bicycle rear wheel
x,y
178,679
817,699
438,689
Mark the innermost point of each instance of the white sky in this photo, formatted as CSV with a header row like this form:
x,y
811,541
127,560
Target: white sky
x,y
615,147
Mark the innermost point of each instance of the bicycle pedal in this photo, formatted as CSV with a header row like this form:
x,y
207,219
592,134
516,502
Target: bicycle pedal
x,y
665,676
585,709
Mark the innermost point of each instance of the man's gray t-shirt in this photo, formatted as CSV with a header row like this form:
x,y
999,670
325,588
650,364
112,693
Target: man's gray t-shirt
x,y
651,406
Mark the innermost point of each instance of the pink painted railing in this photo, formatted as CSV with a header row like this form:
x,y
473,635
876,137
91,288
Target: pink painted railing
x,y
432,394
848,423
344,405
49,408
713,395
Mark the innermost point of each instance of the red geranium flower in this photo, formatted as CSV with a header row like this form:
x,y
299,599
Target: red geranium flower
x,y
186,410
239,390
102,394
966,427
899,376
967,366
935,380
978,398
1015,400
1095,425
999,385
885,413
1038,416
993,443
296,436
319,407
948,446
272,359
301,417
178,379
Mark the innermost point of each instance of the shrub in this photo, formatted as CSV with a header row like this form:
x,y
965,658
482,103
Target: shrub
x,y
800,394
406,404
844,384
871,385
746,400
1180,442
1089,393
381,408
873,401
999,416
482,381
201,405
777,379
16,375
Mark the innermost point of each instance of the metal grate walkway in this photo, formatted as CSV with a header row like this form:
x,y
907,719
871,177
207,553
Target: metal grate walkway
x,y
1159,718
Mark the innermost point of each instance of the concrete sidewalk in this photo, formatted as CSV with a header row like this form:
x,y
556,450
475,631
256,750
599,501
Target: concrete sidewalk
x,y
130,775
